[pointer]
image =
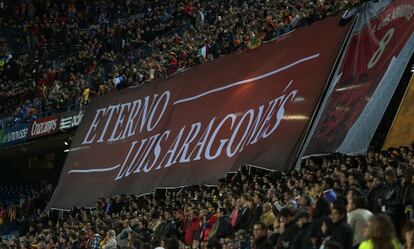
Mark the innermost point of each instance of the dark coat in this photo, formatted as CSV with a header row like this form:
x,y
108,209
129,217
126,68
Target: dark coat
x,y
373,196
221,228
302,238
257,212
393,198
342,233
243,219
263,243
287,238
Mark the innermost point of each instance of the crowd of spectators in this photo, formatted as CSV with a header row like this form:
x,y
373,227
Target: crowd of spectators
x,y
19,202
57,54
335,201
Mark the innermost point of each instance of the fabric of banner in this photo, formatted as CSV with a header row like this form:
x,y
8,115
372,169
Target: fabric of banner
x,y
402,129
248,108
380,46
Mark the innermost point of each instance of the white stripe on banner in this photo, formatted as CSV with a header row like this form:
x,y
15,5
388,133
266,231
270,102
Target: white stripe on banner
x,y
93,170
230,85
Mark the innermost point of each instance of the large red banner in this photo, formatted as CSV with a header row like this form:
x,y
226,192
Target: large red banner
x,y
378,51
248,108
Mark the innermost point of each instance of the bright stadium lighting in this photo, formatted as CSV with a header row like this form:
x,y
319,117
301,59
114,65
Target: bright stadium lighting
x,y
66,143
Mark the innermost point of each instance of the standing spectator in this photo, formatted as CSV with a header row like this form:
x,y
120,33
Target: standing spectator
x,y
245,213
192,228
74,241
122,237
380,234
260,237
235,212
222,227
110,240
357,218
258,208
392,203
408,196
302,238
288,222
94,239
341,231
268,218
375,193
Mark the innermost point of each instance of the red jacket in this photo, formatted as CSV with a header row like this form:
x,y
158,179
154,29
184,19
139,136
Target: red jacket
x,y
207,227
193,227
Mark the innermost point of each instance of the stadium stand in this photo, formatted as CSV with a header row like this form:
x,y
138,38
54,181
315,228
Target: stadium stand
x,y
58,56
250,209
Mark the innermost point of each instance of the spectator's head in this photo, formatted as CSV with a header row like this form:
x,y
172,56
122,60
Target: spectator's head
x,y
401,168
212,244
303,217
259,230
111,233
376,180
380,230
172,244
390,175
221,212
142,224
408,233
125,223
338,211
267,207
286,215
353,192
246,200
305,201
212,207
355,202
